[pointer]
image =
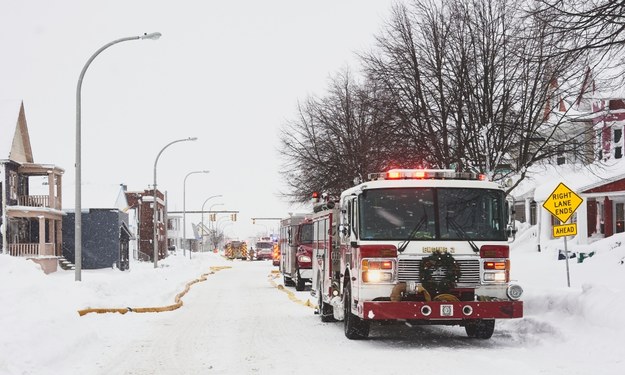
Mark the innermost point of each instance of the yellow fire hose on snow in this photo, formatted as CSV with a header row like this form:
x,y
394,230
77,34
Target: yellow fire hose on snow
x,y
274,275
176,305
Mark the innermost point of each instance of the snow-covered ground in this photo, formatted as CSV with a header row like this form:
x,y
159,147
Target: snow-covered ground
x,y
237,322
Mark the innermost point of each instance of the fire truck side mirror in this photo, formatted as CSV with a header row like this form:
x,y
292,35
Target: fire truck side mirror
x,y
511,232
344,230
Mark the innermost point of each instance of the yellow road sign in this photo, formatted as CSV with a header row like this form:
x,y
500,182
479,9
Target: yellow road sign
x,y
565,230
562,202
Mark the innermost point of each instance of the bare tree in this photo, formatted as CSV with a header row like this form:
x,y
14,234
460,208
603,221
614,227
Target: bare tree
x,y
336,138
473,84
584,24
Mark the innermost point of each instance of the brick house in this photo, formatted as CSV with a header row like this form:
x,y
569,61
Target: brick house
x,y
142,203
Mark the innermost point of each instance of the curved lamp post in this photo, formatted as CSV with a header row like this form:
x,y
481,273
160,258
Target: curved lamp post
x,y
78,205
203,204
154,217
184,211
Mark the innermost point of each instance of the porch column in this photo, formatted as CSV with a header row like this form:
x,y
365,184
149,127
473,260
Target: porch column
x,y
5,216
608,222
582,222
59,238
528,212
544,218
51,195
42,235
59,190
52,231
599,216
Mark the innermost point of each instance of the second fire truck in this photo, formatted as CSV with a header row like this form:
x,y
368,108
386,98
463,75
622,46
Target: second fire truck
x,y
296,250
418,246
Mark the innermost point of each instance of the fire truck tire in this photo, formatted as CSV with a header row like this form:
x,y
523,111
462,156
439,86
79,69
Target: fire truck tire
x,y
355,328
481,329
325,309
288,281
300,284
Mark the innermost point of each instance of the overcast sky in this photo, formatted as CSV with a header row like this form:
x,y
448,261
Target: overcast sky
x,y
228,72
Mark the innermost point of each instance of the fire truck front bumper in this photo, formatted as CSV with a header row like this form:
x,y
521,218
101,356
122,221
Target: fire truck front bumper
x,y
412,310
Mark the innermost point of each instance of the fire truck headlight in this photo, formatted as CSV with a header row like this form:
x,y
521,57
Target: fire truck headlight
x,y
304,259
514,292
377,276
496,277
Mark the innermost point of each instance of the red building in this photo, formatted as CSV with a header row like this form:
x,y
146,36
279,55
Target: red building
x,y
143,205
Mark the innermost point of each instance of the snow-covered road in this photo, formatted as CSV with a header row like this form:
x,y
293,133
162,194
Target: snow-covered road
x,y
238,322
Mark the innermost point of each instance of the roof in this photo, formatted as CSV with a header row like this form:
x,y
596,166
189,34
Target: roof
x,y
542,180
16,144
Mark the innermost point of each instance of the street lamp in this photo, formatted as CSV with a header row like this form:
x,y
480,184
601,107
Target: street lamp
x,y
184,211
78,205
154,218
203,204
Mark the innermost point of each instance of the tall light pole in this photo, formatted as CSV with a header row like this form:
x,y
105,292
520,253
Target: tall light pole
x,y
154,217
78,205
203,204
184,211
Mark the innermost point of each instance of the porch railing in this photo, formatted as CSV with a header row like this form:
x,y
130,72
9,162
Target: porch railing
x,y
34,200
31,249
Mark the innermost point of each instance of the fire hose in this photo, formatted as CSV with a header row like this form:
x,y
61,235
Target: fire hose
x,y
291,295
177,301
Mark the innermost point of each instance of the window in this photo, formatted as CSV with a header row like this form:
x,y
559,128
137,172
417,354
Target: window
x,y
618,143
306,235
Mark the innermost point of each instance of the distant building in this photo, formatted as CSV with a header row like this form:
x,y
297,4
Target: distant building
x,y
174,232
105,238
142,203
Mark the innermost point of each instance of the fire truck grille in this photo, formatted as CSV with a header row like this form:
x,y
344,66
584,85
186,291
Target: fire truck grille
x,y
408,270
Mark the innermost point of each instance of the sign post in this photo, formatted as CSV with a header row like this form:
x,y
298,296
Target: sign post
x,y
562,203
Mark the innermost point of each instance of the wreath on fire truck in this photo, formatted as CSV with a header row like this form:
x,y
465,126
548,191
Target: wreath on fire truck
x,y
439,273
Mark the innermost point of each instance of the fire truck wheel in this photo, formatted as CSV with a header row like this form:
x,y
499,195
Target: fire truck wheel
x,y
480,329
325,309
300,284
288,281
355,328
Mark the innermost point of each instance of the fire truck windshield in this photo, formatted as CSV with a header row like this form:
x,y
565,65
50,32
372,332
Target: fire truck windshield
x,y
458,214
306,236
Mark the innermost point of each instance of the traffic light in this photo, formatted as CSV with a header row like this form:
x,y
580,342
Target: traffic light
x,y
253,221
233,217
212,217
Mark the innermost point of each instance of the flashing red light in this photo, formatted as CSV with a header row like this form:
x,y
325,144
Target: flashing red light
x,y
419,174
391,175
315,195
482,177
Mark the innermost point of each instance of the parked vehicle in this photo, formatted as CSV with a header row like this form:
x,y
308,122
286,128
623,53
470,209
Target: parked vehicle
x,y
264,248
296,250
236,250
420,246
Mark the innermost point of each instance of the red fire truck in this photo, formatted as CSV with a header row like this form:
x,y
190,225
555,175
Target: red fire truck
x,y
413,245
296,250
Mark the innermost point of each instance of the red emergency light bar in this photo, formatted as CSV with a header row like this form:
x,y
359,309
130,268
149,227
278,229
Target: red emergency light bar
x,y
425,174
